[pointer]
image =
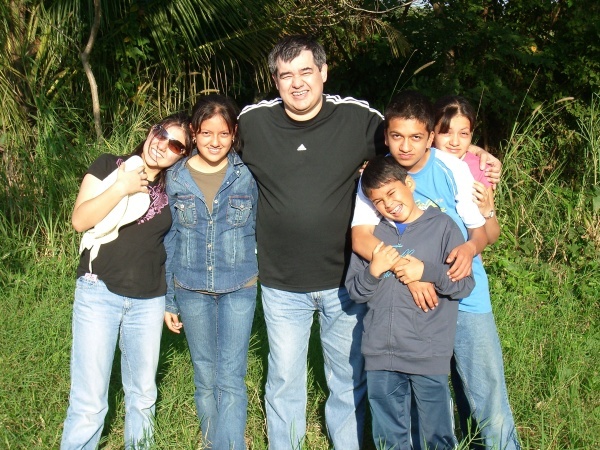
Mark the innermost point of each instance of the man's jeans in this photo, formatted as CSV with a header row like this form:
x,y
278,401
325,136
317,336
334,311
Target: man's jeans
x,y
289,317
217,329
478,361
100,318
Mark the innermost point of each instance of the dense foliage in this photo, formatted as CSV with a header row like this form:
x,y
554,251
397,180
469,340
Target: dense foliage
x,y
503,55
507,57
531,67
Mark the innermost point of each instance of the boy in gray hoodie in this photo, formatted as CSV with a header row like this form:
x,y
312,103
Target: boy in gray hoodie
x,y
405,348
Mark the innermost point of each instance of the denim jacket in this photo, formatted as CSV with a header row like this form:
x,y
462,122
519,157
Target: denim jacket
x,y
211,252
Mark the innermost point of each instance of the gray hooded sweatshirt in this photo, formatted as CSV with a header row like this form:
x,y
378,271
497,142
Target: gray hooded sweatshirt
x,y
398,335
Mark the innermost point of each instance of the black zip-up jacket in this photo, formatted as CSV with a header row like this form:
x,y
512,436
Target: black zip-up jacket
x,y
398,335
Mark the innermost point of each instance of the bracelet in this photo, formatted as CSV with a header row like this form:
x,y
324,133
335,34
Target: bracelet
x,y
491,214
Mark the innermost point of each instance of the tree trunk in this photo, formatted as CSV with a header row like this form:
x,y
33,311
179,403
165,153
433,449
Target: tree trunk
x,y
85,60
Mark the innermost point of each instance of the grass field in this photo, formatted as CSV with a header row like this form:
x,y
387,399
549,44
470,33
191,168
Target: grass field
x,y
543,279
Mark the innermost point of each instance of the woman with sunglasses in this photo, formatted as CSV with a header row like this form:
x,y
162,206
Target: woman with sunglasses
x,y
212,268
120,292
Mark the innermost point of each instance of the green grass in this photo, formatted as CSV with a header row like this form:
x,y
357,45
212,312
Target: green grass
x,y
543,279
547,321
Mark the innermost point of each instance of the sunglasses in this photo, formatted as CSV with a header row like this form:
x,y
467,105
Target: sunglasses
x,y
173,144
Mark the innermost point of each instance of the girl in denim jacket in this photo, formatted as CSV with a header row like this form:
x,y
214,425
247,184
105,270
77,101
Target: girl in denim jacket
x,y
212,268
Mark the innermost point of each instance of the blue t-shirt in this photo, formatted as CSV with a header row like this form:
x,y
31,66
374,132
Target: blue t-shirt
x,y
401,227
436,186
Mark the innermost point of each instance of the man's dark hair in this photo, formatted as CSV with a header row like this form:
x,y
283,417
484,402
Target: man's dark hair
x,y
381,170
410,105
290,47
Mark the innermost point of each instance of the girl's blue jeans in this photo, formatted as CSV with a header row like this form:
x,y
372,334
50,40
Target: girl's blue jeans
x,y
100,319
217,329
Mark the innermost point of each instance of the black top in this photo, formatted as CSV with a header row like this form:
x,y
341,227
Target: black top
x,y
306,172
133,265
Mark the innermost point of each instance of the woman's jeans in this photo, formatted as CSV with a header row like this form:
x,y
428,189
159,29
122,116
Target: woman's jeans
x,y
289,317
217,328
478,381
100,319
